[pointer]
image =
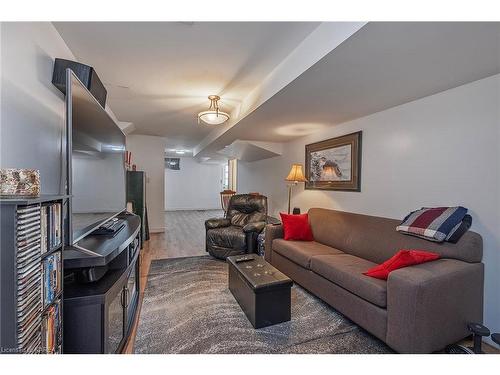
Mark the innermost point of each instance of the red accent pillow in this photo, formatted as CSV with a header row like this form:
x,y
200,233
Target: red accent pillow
x,y
296,227
403,258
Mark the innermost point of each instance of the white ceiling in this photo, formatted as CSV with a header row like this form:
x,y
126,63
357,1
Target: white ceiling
x,y
159,74
381,66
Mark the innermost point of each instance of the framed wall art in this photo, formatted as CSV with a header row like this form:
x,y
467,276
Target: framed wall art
x,y
173,163
334,164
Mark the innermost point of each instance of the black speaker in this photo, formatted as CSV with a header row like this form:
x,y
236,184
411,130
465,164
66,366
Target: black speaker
x,y
85,73
296,211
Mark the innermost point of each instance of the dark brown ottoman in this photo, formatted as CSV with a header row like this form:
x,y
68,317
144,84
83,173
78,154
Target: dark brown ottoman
x,y
262,291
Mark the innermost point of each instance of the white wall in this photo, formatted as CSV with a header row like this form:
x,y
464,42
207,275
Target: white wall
x,y
32,109
148,154
439,150
195,186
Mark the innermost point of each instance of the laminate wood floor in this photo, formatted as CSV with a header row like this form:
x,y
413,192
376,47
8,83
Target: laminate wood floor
x,y
185,236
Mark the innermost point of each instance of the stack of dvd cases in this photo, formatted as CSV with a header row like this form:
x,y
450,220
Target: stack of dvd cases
x,y
52,329
29,279
31,264
51,216
51,278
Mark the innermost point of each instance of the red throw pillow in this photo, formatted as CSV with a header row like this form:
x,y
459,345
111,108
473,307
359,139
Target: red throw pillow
x,y
403,258
296,227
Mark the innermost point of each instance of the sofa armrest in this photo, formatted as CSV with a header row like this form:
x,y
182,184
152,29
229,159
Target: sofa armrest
x,y
272,232
217,223
255,227
429,305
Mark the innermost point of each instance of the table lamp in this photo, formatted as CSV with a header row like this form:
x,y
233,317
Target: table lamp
x,y
296,175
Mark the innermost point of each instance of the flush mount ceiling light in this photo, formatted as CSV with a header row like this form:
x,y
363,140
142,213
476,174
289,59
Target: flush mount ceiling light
x,y
213,116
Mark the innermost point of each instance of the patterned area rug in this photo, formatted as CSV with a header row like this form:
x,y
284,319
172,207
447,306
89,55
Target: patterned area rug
x,y
188,308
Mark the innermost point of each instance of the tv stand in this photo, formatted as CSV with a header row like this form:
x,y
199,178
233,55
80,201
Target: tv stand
x,y
101,250
102,290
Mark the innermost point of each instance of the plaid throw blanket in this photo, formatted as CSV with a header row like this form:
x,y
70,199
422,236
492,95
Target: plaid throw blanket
x,y
434,224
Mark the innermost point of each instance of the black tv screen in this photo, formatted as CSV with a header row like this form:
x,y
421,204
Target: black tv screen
x,y
97,165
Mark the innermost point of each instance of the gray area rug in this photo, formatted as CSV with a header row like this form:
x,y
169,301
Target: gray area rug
x,y
188,308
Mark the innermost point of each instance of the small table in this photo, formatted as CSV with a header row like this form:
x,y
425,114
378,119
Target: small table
x,y
262,291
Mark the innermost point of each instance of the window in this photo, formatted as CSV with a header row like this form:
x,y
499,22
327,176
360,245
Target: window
x,y
232,174
225,176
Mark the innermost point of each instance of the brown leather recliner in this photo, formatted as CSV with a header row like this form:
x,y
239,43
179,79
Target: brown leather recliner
x,y
237,233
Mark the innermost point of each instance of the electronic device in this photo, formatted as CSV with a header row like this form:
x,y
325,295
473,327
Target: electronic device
x,y
86,74
110,228
244,259
90,275
97,162
478,332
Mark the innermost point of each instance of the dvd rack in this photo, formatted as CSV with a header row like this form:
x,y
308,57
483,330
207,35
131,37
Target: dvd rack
x,y
31,266
29,280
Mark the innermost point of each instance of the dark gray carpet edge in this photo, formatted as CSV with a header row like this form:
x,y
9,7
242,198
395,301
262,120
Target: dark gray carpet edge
x,y
188,308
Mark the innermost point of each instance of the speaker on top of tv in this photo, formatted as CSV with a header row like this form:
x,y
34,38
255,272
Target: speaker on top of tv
x,y
85,73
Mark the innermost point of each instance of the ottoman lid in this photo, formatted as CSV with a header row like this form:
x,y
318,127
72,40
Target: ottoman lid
x,y
259,274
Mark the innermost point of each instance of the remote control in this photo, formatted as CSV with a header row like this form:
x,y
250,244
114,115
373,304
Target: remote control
x,y
243,259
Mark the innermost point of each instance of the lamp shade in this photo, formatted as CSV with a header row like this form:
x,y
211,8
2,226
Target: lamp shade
x,y
214,116
296,174
331,170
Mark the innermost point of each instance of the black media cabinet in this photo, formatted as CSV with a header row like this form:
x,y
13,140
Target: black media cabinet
x,y
99,314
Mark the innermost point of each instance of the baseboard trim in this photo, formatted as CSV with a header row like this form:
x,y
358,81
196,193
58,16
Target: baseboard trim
x,y
157,230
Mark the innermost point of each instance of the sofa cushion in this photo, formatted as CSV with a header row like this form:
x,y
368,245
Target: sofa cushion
x,y
301,252
403,258
346,271
374,238
296,227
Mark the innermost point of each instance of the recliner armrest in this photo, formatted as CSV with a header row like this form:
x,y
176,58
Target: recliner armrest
x,y
254,227
429,305
217,223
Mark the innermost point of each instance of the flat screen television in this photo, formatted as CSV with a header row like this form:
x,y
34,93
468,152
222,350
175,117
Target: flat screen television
x,y
97,164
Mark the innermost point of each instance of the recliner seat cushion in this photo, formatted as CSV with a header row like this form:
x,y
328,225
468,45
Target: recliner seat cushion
x,y
301,252
346,271
228,237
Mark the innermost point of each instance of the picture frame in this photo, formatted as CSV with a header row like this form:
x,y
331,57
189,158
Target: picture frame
x,y
173,163
334,164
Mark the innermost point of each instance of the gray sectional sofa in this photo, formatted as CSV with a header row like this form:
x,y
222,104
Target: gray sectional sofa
x,y
419,309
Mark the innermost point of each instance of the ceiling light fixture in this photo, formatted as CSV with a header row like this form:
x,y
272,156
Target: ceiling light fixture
x,y
213,116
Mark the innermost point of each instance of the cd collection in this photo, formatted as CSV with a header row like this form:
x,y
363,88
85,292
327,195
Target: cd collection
x,y
51,329
51,278
39,278
50,226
